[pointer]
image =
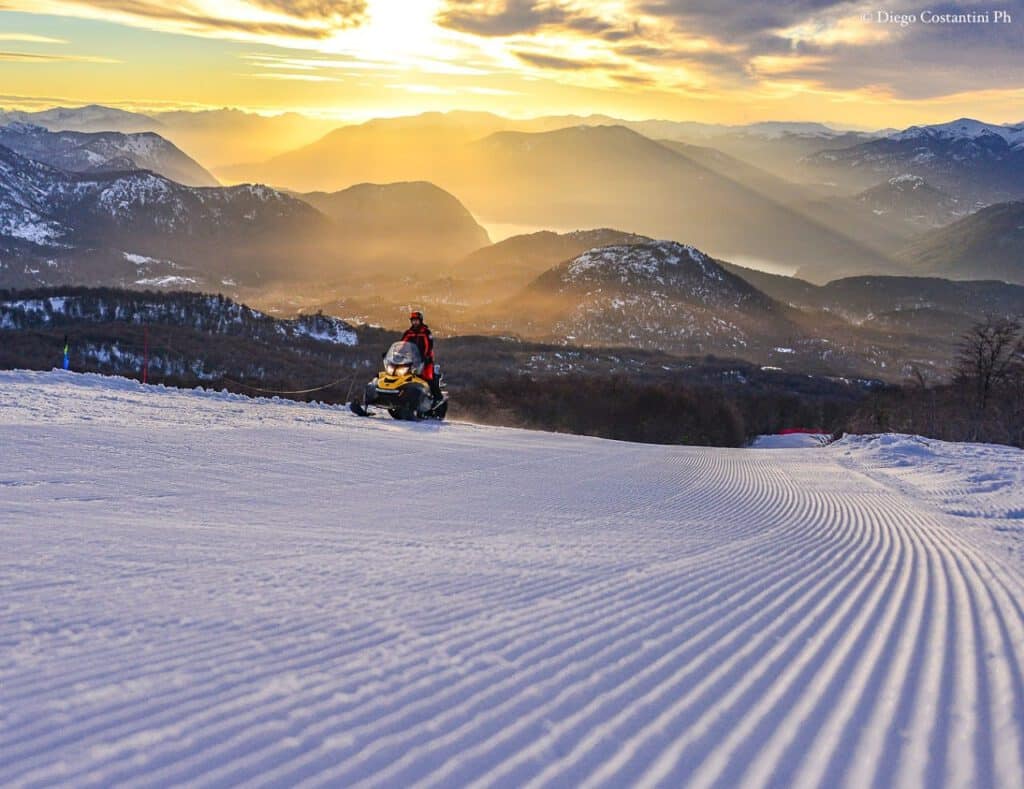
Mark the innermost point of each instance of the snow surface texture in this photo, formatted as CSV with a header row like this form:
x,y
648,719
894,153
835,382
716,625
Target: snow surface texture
x,y
200,589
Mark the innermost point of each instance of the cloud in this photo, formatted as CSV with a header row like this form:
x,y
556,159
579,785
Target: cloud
x,y
29,38
517,17
635,79
309,62
35,57
432,90
709,59
733,19
831,45
561,64
347,12
292,77
482,91
290,19
484,18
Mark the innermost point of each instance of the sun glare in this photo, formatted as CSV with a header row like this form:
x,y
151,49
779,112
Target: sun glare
x,y
397,31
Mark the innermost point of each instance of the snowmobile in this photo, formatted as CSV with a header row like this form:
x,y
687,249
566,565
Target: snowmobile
x,y
401,389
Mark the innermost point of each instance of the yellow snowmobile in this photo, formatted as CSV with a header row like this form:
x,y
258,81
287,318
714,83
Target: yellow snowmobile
x,y
400,388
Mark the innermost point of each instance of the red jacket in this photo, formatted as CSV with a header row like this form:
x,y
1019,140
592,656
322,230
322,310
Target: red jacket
x,y
421,336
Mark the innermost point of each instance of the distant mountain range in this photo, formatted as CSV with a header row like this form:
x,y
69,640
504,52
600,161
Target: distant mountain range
x,y
96,152
929,307
90,118
215,137
393,149
988,244
878,231
833,198
108,208
423,147
974,162
612,176
135,227
587,175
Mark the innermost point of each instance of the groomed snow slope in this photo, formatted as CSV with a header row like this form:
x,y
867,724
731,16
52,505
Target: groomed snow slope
x,y
201,589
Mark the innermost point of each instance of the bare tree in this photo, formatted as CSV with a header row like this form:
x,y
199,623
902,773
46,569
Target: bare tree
x,y
988,355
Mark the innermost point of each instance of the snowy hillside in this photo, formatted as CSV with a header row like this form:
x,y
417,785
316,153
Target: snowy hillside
x,y
106,151
202,589
912,199
59,227
133,203
654,294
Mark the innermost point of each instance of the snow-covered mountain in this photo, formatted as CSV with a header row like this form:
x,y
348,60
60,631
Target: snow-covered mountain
x,y
90,118
912,199
25,214
496,270
57,226
138,203
963,129
974,162
659,294
775,129
105,152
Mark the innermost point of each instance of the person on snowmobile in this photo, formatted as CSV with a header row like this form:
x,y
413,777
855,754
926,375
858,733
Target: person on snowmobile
x,y
419,333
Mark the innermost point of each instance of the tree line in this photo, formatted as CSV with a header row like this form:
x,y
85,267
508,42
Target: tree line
x,y
984,401
192,340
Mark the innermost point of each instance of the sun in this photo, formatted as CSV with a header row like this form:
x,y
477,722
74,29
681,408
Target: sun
x,y
398,32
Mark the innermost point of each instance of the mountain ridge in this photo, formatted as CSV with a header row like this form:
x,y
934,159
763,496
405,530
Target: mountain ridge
x,y
94,152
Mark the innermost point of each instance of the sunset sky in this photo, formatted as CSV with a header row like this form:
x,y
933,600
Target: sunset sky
x,y
722,61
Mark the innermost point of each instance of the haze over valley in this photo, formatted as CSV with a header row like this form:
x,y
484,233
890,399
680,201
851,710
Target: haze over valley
x,y
371,218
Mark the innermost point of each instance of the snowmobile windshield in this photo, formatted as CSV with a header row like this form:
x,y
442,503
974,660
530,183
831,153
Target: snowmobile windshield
x,y
403,353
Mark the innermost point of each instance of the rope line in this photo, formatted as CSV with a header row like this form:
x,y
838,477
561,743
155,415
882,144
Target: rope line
x,y
282,391
168,350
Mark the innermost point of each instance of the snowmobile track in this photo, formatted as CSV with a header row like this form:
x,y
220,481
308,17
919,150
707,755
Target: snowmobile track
x,y
208,591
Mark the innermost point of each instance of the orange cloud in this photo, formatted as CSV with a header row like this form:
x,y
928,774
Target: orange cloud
x,y
288,19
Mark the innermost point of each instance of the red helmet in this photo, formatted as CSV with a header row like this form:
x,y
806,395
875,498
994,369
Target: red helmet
x,y
416,315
